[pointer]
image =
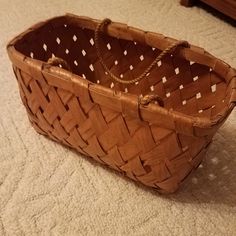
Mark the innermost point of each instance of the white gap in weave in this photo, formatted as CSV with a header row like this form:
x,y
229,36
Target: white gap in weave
x,y
210,69
194,180
45,47
213,106
225,169
153,49
177,70
164,80
74,38
200,111
126,90
60,65
192,62
131,67
136,83
211,177
65,25
152,88
213,88
125,52
198,95
91,67
135,43
168,95
75,62
116,62
112,85
215,160
83,75
31,54
147,74
67,51
159,63
98,81
83,52
181,87
121,75
223,100
53,55
184,102
141,58
106,73
195,78
91,41
109,46
58,40
171,55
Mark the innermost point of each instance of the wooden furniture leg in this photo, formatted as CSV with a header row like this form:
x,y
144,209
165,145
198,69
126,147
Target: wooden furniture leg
x,y
187,3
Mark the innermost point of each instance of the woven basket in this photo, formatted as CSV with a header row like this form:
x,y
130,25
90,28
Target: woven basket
x,y
142,103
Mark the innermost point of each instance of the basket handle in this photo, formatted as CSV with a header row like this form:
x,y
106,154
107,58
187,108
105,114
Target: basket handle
x,y
100,27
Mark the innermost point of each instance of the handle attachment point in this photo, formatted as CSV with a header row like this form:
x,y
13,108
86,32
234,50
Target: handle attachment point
x,y
151,98
57,61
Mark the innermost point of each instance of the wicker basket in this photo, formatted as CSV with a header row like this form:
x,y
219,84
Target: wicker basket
x,y
142,103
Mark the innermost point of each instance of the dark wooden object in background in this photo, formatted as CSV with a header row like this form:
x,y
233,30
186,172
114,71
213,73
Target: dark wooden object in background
x,y
227,7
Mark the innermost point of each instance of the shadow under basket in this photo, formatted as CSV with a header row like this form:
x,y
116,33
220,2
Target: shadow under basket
x,y
142,103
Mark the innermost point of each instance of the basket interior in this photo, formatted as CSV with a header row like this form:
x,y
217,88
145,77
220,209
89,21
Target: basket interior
x,y
185,86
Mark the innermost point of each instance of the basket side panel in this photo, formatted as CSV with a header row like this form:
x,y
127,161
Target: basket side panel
x,y
153,155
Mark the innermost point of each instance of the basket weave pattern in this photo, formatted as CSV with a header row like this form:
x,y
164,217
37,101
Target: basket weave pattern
x,y
83,109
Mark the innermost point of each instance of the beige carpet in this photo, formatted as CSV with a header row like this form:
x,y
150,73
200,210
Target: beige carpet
x,y
46,189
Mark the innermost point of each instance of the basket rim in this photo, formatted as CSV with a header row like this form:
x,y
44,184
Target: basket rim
x,y
129,105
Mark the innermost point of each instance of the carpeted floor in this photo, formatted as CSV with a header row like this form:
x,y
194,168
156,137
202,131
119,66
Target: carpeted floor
x,y
46,189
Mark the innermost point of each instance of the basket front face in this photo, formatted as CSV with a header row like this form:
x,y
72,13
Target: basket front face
x,y
155,155
152,155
